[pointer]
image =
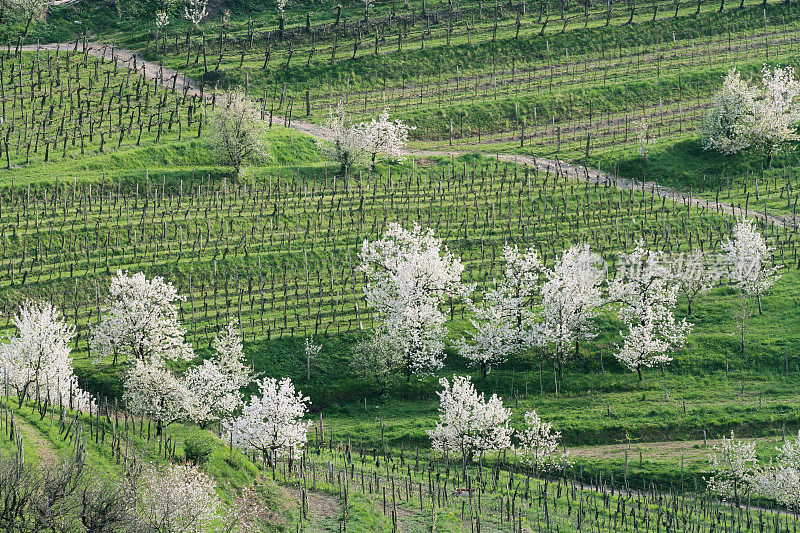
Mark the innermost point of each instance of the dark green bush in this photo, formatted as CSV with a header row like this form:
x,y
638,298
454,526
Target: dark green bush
x,y
198,446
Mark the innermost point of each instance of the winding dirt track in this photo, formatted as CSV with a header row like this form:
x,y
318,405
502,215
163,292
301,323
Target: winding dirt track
x,y
181,83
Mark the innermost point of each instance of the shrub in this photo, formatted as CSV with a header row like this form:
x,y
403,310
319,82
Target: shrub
x,y
198,447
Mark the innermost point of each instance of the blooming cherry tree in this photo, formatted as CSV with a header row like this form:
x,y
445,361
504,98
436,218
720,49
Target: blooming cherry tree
x,y
648,297
237,131
384,136
272,422
538,441
728,126
571,297
195,11
39,356
178,498
215,385
746,116
749,270
348,141
468,423
780,480
410,274
141,320
154,391
503,321
733,464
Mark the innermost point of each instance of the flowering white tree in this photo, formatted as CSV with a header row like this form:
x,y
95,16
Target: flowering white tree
x,y
311,351
780,480
503,322
237,131
179,498
648,298
348,142
39,356
215,386
694,274
749,270
468,423
195,11
155,392
384,136
538,441
728,126
745,116
777,110
281,14
733,464
410,274
571,297
272,422
141,320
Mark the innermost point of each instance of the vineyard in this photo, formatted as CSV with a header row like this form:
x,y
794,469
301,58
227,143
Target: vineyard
x,y
249,333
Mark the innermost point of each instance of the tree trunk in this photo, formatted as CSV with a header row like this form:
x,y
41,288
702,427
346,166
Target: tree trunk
x,y
639,371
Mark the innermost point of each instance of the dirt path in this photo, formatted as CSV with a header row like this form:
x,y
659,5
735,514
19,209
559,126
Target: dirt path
x,y
31,437
324,510
180,82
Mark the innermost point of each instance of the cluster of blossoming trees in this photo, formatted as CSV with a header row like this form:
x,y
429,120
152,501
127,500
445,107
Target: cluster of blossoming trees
x,y
745,116
411,276
738,472
356,143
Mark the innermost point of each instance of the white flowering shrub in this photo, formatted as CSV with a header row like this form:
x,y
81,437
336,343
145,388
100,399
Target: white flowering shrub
x,y
469,424
733,464
385,137
502,322
410,275
141,320
271,422
38,357
537,442
178,498
571,297
647,297
215,385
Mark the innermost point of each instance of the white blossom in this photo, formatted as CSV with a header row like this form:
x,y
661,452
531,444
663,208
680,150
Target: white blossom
x,y
746,116
648,298
348,142
468,423
733,464
141,320
503,321
571,297
215,385
39,356
155,392
162,20
195,11
728,126
780,480
749,270
178,498
272,422
410,274
537,442
385,137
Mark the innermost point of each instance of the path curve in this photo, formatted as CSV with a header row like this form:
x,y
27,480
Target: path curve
x,y
181,83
